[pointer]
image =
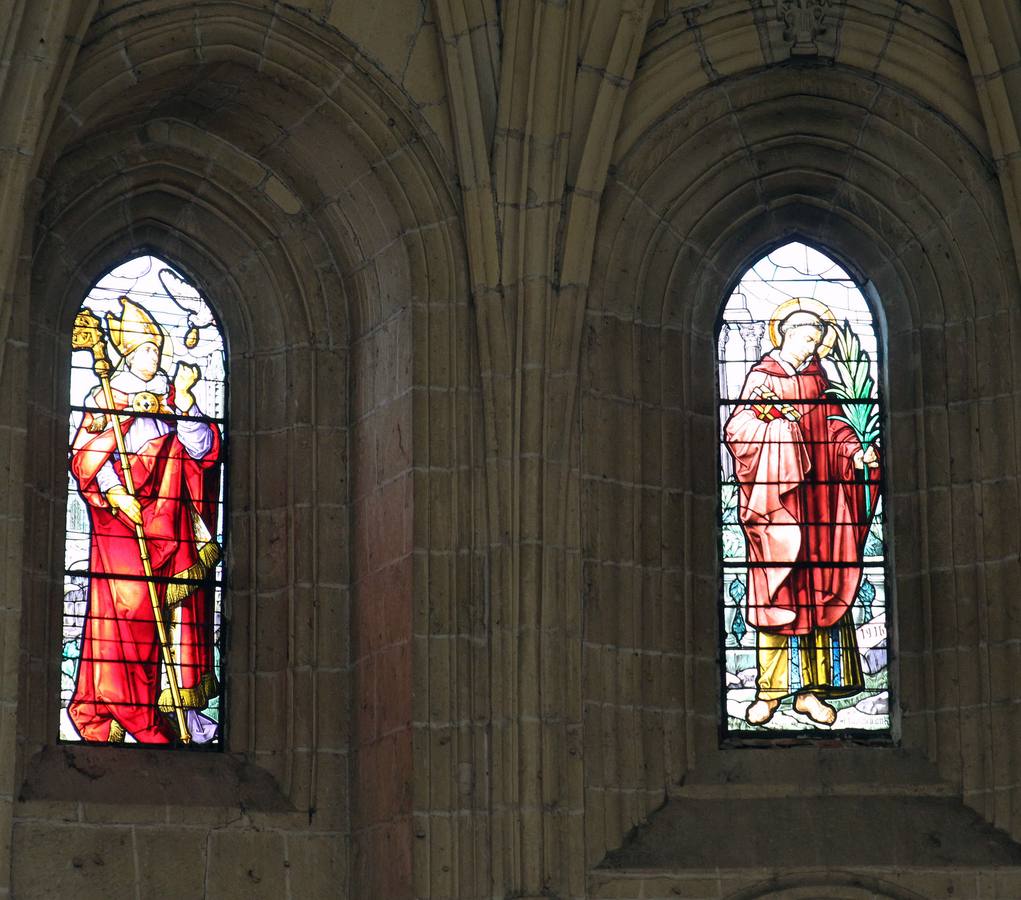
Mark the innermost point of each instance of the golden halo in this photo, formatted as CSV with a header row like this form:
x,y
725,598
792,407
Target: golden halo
x,y
809,305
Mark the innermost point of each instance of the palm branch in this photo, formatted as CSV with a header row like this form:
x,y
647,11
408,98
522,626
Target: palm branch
x,y
855,388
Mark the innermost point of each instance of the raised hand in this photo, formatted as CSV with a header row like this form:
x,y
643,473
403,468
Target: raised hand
x,y
186,376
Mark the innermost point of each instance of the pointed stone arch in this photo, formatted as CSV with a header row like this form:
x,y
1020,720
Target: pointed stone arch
x,y
832,159
336,256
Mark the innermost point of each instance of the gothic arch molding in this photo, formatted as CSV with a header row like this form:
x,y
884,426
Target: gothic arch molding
x,y
728,173
276,373
308,196
189,204
298,111
689,49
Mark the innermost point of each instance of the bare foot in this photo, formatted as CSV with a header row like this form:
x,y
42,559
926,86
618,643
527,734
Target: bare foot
x,y
761,711
816,709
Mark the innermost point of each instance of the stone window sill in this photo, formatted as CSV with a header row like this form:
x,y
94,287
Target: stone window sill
x,y
65,780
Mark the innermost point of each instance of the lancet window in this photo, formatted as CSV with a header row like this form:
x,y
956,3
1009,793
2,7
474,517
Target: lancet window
x,y
804,584
143,626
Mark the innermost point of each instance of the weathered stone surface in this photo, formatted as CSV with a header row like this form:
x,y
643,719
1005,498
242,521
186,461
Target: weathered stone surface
x,y
172,862
51,860
469,257
246,863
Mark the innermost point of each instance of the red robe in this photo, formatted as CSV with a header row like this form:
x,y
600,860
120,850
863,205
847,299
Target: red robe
x,y
119,669
801,501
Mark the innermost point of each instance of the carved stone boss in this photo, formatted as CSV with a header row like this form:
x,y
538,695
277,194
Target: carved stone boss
x,y
803,21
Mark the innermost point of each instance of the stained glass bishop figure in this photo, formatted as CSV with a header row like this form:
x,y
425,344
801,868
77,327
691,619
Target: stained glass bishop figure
x,y
146,462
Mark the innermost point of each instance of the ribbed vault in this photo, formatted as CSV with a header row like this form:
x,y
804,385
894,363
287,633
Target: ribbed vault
x,y
690,46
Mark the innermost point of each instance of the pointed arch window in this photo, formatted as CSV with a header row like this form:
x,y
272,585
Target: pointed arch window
x,y
803,586
142,632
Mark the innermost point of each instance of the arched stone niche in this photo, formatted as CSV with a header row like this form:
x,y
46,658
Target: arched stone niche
x,y
265,157
862,170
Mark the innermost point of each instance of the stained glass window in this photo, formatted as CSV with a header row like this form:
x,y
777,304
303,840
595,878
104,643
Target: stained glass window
x,y
143,580
803,585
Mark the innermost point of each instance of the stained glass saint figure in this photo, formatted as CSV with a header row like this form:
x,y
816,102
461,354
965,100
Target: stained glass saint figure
x,y
801,479
142,628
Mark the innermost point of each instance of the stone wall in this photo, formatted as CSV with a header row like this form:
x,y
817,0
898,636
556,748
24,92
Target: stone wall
x,y
468,256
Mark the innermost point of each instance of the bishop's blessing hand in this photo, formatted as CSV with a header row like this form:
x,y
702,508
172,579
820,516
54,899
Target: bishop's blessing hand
x,y
185,378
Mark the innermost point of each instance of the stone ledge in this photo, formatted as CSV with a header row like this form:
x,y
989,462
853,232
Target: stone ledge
x,y
151,778
810,768
911,883
687,835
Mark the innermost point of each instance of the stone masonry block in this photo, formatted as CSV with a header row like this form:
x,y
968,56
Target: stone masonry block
x,y
245,862
91,863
